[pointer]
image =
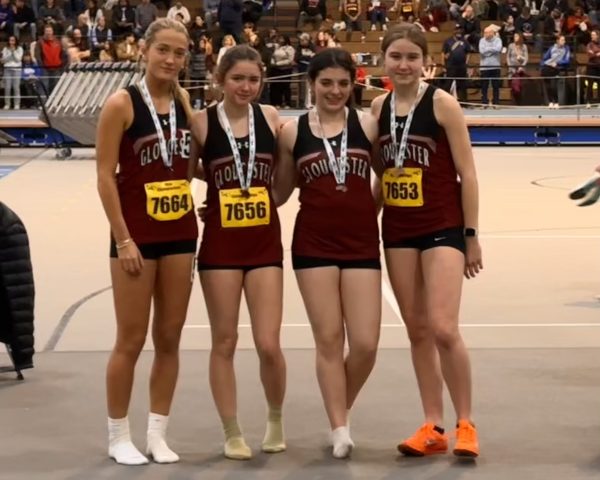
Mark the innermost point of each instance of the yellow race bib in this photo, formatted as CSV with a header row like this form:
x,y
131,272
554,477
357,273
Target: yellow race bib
x,y
169,200
403,189
239,210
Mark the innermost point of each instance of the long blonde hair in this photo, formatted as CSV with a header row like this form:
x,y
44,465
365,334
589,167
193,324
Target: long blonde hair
x,y
150,36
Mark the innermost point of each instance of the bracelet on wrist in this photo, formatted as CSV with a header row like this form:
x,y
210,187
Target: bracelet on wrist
x,y
124,243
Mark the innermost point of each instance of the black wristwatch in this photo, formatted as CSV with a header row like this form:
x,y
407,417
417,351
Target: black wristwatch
x,y
470,232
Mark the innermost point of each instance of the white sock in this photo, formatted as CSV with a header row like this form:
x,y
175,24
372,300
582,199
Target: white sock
x,y
120,446
342,443
157,447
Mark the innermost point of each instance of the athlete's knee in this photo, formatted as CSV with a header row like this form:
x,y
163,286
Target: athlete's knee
x,y
446,333
365,349
418,329
166,341
330,346
224,345
268,349
130,345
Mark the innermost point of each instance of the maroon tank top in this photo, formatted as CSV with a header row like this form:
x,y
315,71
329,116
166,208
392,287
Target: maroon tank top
x,y
429,151
224,243
331,223
141,163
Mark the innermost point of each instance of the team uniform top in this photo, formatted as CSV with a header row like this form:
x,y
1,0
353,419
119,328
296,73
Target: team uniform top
x,y
437,204
141,163
224,243
331,223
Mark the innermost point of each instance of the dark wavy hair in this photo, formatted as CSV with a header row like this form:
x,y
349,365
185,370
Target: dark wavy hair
x,y
331,58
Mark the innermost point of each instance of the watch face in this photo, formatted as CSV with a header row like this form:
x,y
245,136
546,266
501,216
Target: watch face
x,y
470,232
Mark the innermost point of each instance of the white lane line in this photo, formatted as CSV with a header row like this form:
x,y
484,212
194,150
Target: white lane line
x,y
465,325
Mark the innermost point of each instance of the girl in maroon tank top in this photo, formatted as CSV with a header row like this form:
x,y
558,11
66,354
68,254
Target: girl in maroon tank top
x,y
429,232
142,133
241,242
335,251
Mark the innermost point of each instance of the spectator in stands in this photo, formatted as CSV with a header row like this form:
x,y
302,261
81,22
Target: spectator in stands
x,y
230,18
29,73
7,19
517,55
324,40
592,70
305,51
228,42
51,56
77,47
428,22
145,14
457,7
271,40
123,18
127,50
556,61
351,11
508,30
93,14
526,24
248,32
577,25
509,7
311,11
471,27
197,30
100,36
180,9
552,28
480,7
592,7
51,14
12,61
252,11
376,11
82,25
404,9
439,10
200,69
211,9
455,52
282,65
24,17
108,54
490,48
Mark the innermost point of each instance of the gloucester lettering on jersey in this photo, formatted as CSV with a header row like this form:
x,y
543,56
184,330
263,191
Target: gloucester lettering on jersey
x,y
415,152
180,147
313,169
227,173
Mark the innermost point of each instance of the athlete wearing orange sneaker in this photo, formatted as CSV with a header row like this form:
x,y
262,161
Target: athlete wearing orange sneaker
x,y
429,230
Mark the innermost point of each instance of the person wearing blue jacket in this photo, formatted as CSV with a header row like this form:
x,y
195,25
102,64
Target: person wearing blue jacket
x,y
556,60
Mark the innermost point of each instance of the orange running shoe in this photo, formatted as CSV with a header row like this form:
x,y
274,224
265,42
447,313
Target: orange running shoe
x,y
425,441
467,444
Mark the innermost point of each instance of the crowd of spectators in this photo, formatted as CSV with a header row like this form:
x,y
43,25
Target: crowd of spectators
x,y
42,37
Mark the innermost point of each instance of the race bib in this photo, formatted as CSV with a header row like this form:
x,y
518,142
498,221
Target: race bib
x,y
403,189
169,200
250,210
